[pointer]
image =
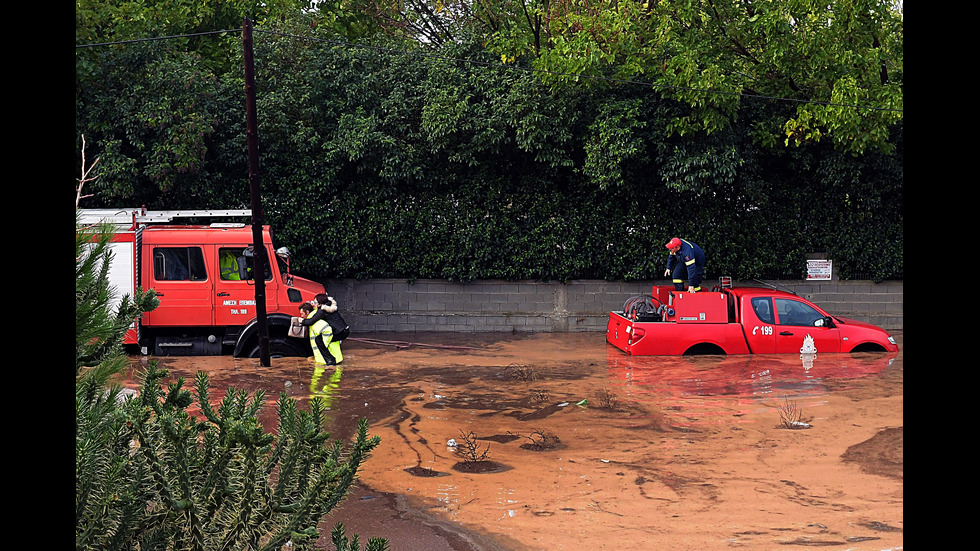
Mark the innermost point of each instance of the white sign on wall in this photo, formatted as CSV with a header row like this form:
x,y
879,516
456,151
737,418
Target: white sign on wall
x,y
819,270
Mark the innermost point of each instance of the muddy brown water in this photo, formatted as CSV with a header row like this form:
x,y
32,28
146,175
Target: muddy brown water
x,y
563,442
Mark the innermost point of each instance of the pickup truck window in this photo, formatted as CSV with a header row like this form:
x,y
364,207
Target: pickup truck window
x,y
179,264
792,312
763,309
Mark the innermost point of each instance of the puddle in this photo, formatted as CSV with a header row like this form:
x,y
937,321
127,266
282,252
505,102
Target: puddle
x,y
573,444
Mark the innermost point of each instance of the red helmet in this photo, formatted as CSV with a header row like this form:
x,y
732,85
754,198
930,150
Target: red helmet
x,y
674,243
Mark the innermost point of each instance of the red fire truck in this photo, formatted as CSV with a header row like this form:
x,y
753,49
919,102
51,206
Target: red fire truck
x,y
736,320
202,275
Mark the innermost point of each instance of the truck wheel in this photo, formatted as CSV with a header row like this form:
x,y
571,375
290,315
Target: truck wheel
x,y
704,349
279,348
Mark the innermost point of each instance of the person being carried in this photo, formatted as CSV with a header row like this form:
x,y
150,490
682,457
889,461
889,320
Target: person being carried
x,y
328,311
685,262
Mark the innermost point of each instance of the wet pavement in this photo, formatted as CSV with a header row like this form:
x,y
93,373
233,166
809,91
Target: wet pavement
x,y
563,442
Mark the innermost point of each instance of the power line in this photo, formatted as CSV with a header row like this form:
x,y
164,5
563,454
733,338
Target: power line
x,y
155,39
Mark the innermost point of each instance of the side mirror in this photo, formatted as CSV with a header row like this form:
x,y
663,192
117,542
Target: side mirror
x,y
827,322
243,271
245,264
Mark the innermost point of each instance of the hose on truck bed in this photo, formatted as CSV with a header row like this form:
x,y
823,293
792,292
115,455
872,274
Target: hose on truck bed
x,y
643,306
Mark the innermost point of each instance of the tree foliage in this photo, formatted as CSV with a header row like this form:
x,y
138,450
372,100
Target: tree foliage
x,y
102,315
839,65
151,475
398,160
839,62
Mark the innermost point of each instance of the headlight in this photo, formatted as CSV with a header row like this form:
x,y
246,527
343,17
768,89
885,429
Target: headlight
x,y
891,339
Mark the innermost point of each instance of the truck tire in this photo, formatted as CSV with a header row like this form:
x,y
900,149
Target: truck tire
x,y
704,348
279,348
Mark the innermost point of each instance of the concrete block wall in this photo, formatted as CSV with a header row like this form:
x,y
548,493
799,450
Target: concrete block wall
x,y
379,305
877,303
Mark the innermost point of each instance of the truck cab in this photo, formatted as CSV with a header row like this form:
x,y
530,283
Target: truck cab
x,y
779,322
203,277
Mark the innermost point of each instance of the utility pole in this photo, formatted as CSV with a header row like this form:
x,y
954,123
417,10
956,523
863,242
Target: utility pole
x,y
252,132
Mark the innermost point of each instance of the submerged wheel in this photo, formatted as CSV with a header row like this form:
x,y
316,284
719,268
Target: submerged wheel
x,y
704,348
279,348
868,347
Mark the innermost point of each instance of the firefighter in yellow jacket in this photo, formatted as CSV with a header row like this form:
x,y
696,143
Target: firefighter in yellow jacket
x,y
229,265
325,308
320,336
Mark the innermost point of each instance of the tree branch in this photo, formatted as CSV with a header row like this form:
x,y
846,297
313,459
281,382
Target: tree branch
x,y
85,176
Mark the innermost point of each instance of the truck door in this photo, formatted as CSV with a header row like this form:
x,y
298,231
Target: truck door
x,y
180,278
796,332
759,324
235,288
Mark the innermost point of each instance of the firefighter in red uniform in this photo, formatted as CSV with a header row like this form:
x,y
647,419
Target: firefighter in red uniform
x,y
685,262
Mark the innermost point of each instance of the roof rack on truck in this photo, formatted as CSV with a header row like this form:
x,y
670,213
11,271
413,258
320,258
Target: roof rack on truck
x,y
131,217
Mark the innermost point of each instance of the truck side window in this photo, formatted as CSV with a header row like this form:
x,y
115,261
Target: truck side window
x,y
229,263
236,263
792,312
763,309
179,264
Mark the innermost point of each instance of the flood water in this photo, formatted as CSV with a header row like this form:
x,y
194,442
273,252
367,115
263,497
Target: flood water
x,y
575,445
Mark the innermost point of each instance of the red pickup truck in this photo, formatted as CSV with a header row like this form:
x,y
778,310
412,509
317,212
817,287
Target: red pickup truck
x,y
736,320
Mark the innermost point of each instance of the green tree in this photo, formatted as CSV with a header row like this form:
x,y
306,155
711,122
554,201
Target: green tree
x,y
102,317
398,160
150,475
190,23
839,62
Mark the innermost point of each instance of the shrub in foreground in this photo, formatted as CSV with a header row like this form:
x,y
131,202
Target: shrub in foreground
x,y
150,475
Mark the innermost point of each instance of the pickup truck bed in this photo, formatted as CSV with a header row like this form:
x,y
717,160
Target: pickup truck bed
x,y
659,338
